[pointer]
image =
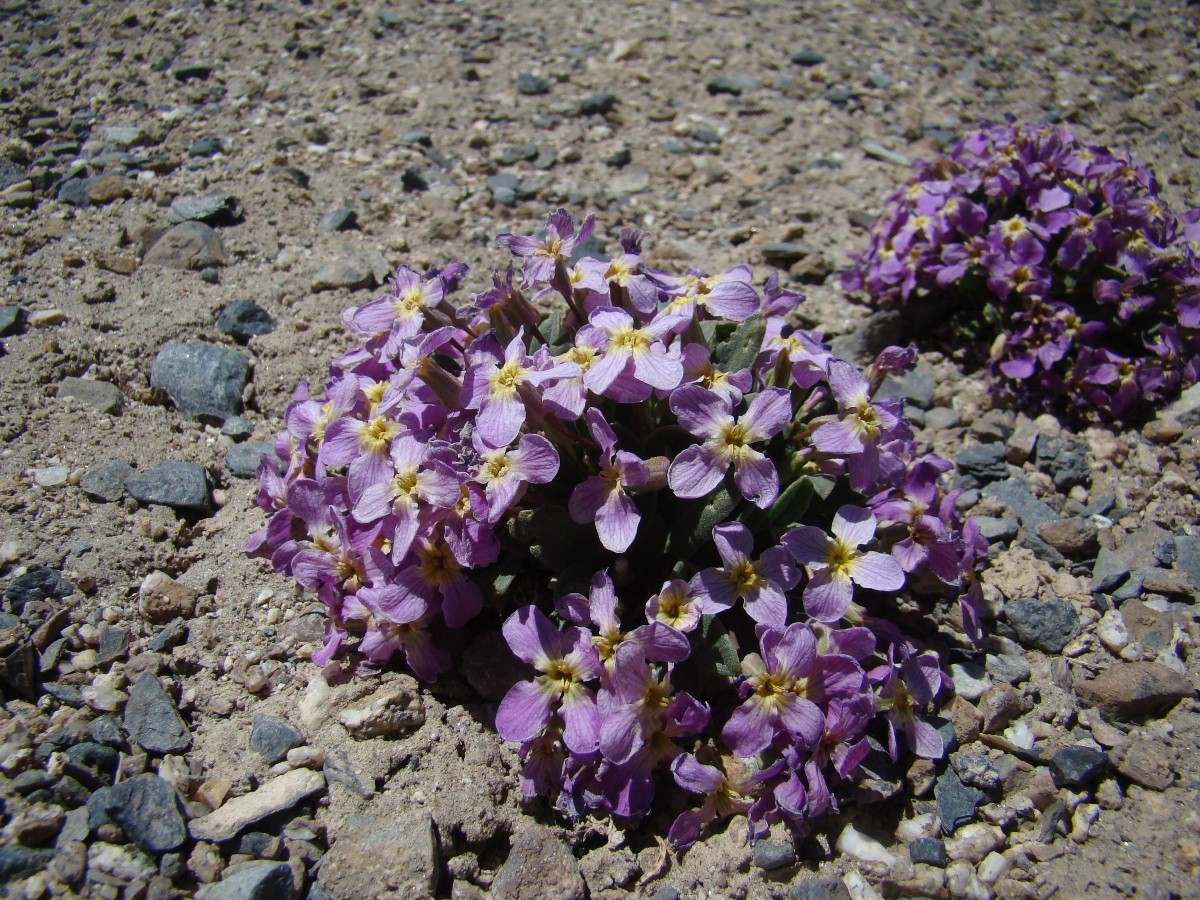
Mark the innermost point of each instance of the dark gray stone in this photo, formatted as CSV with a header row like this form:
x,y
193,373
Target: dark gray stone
x,y
785,253
242,459
113,644
666,892
1064,461
217,207
1078,766
515,153
97,757
206,146
807,57
201,380
597,104
107,731
357,268
532,85
916,387
1010,667
771,855
256,881
828,888
412,180
339,220
148,811
271,738
11,319
193,71
237,427
152,720
985,462
179,485
74,191
733,85
620,159
1187,559
244,319
881,329
18,862
929,851
417,136
1046,625
1017,496
106,482
997,528
338,768
39,583
1109,572
956,802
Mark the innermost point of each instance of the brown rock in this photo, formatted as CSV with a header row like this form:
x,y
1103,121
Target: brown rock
x,y
539,867
1148,763
189,245
999,705
1162,431
114,262
965,718
1131,689
161,598
110,188
1150,627
1076,538
393,857
1165,581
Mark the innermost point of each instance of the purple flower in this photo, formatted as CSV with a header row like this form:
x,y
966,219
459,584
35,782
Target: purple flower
x,y
723,796
760,584
568,661
398,625
634,360
602,498
403,310
771,705
541,256
860,427
698,470
903,690
433,572
837,562
500,390
675,606
505,472
728,295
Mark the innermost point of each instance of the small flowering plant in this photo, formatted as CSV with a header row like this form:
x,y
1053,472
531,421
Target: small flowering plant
x,y
1058,259
686,518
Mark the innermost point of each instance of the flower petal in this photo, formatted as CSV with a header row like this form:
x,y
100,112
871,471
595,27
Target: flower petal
x,y
877,572
828,596
694,473
523,712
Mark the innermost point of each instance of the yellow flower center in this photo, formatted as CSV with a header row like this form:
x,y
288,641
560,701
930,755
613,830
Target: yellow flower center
x,y
437,564
581,356
405,483
410,303
840,555
496,466
377,434
744,576
506,379
632,339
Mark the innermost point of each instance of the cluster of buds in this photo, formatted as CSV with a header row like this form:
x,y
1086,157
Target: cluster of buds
x,y
668,499
1060,254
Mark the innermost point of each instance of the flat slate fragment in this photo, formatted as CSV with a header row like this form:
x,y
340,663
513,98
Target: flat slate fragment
x,y
106,482
152,720
179,485
201,380
956,802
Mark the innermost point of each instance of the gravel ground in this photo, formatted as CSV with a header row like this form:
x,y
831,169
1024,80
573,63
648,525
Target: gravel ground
x,y
229,176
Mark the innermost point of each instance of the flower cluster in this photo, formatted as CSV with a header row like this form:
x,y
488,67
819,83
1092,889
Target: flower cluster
x,y
686,517
1061,257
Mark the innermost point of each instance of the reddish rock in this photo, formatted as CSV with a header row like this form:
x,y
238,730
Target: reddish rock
x,y
1131,689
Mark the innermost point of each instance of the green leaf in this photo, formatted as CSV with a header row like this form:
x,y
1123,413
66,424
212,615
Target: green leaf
x,y
694,526
822,485
552,326
741,348
713,662
787,510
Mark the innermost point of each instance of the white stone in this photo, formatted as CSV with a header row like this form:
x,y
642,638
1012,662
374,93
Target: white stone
x,y
993,868
1021,734
51,476
123,863
864,849
275,796
917,827
1112,631
966,683
1082,820
975,841
859,888
315,707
